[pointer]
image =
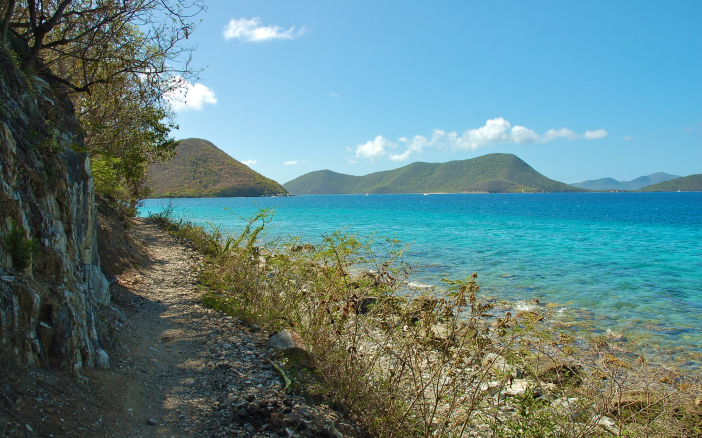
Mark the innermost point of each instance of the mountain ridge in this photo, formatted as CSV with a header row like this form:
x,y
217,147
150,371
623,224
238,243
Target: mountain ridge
x,y
634,184
493,173
691,183
202,170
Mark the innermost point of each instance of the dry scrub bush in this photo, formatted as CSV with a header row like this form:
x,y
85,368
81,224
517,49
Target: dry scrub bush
x,y
444,366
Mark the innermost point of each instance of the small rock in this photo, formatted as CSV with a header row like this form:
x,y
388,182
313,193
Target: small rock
x,y
642,403
559,373
421,305
570,406
564,403
497,364
151,422
292,345
102,360
517,387
608,424
532,316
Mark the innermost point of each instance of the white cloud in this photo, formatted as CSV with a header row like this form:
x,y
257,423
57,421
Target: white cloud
x,y
553,134
627,138
252,31
185,96
523,135
333,95
593,135
494,131
375,149
249,162
290,163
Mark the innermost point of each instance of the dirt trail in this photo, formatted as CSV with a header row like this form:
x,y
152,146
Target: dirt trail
x,y
179,369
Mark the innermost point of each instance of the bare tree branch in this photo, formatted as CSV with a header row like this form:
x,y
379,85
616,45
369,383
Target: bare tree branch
x,y
6,21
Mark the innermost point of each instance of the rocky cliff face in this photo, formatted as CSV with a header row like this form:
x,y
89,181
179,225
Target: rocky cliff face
x,y
50,278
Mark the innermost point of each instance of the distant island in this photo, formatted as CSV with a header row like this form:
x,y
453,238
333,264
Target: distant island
x,y
492,173
634,184
201,170
692,183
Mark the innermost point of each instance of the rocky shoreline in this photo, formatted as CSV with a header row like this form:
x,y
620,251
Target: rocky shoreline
x,y
181,369
178,369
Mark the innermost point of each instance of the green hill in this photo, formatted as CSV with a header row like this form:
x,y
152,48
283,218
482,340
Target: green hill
x,y
692,183
493,173
201,170
634,184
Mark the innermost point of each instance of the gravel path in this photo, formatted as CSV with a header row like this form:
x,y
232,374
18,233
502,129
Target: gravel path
x,y
179,369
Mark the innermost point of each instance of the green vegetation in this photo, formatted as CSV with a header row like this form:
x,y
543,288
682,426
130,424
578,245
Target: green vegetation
x,y
692,183
126,133
19,247
201,170
635,184
493,173
442,366
115,60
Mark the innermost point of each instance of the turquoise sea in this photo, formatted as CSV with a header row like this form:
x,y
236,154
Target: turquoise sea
x,y
618,262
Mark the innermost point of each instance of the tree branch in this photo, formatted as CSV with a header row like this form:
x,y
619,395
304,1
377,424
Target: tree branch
x,y
6,21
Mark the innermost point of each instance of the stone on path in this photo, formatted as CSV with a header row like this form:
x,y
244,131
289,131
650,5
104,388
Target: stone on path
x,y
291,344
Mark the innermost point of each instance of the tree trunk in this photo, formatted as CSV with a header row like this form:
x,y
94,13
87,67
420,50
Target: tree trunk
x,y
5,24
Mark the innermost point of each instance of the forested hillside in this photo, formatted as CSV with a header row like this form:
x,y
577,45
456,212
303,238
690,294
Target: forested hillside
x,y
492,173
634,184
201,170
692,183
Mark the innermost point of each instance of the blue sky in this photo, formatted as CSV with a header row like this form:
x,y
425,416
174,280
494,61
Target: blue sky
x,y
579,90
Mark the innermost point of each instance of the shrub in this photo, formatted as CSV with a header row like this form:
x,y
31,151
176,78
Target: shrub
x,y
20,248
419,365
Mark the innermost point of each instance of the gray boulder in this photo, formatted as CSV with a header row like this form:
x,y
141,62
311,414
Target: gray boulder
x,y
293,347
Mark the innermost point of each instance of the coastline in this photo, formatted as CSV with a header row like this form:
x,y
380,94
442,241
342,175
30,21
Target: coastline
x,y
177,368
596,253
596,362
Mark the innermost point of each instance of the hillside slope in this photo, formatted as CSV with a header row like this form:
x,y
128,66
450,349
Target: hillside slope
x,y
201,170
494,173
692,183
634,184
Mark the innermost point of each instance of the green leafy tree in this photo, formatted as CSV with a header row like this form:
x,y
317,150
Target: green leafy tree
x,y
118,59
127,129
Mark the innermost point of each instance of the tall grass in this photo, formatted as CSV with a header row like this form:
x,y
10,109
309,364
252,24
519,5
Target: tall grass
x,y
404,364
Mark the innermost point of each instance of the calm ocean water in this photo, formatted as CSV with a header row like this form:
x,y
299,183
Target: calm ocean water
x,y
625,262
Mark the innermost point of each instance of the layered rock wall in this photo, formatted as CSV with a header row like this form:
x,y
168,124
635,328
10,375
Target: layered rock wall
x,y
50,278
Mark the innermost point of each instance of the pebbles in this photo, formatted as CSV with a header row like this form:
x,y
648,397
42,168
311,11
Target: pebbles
x,y
214,371
179,369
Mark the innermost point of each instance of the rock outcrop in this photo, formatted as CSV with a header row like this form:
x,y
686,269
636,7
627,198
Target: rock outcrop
x,y
50,277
